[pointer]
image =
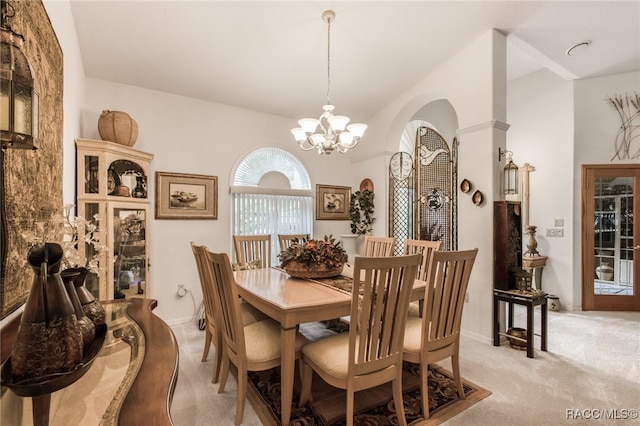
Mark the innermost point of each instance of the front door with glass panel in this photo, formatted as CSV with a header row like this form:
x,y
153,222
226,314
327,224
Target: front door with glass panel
x,y
609,239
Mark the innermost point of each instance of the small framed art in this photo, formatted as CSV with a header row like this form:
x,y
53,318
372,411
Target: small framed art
x,y
186,196
332,202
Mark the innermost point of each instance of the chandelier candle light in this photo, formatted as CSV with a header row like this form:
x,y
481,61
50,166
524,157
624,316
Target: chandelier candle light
x,y
331,134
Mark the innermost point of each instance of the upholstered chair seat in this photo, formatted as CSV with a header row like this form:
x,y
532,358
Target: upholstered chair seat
x,y
262,340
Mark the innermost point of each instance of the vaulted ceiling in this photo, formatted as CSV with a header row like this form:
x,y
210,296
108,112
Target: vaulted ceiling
x,y
272,55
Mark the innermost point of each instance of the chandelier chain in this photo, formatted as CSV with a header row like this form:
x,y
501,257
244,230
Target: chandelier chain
x,y
329,61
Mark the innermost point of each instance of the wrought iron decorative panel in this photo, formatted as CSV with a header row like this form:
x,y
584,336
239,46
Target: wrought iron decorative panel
x,y
436,177
422,192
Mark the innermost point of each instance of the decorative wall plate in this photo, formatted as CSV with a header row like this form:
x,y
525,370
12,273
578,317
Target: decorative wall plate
x,y
465,186
366,184
477,198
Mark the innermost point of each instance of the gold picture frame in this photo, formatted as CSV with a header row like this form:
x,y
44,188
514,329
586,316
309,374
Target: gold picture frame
x,y
332,202
186,196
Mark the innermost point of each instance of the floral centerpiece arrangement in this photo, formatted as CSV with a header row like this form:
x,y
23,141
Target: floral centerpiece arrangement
x,y
65,231
314,258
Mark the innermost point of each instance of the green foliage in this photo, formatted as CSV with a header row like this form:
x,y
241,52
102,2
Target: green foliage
x,y
361,212
310,252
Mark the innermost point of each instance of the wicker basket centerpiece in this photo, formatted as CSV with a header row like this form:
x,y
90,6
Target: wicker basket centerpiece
x,y
314,258
314,270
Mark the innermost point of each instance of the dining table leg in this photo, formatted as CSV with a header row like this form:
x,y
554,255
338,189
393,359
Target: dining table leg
x,y
287,369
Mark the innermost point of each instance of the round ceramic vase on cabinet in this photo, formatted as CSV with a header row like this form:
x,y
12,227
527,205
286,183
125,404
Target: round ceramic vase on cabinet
x,y
118,127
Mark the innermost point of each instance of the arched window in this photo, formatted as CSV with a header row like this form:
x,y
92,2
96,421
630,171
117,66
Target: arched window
x,y
271,194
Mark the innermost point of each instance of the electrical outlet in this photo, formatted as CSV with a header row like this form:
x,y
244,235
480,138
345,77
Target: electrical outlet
x,y
558,223
553,232
181,290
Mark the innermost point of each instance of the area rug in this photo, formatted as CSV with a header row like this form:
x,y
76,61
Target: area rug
x,y
372,407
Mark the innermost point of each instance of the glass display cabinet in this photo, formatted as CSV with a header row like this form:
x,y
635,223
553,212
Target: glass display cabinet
x,y
112,193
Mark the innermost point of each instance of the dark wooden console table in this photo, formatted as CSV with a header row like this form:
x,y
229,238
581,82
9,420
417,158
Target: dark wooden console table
x,y
530,301
141,351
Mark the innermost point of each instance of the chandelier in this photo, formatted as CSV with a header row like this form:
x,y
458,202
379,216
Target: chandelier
x,y
330,132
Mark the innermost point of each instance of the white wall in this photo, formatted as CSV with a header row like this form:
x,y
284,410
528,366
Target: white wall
x,y
192,136
557,126
540,112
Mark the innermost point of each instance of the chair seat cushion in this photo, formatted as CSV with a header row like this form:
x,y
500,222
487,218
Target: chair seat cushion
x,y
412,335
262,340
330,354
250,314
414,309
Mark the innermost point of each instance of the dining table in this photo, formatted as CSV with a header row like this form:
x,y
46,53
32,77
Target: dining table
x,y
293,301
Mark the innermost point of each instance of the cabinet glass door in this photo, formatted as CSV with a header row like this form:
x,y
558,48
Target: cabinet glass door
x,y
130,252
609,248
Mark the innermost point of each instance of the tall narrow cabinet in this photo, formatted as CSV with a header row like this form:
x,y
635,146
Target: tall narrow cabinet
x,y
507,244
112,192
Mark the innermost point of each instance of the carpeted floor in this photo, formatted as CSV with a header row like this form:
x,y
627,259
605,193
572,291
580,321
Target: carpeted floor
x,y
592,364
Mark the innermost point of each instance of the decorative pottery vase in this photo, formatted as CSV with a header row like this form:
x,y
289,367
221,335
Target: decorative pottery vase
x,y
118,127
349,244
90,306
360,246
553,302
604,272
85,325
314,271
48,340
532,244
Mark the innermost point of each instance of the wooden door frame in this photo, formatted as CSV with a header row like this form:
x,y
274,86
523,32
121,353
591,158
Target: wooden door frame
x,y
605,302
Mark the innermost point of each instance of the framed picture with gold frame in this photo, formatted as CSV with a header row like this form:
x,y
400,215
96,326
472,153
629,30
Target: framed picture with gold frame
x,y
186,196
332,202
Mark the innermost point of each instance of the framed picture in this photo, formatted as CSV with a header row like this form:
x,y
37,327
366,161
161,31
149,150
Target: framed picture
x,y
332,202
186,196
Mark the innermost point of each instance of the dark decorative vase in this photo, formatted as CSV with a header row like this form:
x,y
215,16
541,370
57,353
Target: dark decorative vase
x,y
48,339
140,191
86,326
91,307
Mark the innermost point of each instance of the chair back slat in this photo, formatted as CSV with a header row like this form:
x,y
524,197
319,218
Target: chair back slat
x,y
199,253
250,248
378,246
381,291
227,302
447,281
286,240
424,247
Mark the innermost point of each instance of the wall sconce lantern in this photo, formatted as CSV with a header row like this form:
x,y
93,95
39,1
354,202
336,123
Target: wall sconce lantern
x,y
18,89
510,173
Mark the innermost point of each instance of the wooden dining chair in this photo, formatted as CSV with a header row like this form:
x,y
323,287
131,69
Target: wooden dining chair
x,y
286,240
253,248
252,347
212,335
370,354
378,246
426,248
436,336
